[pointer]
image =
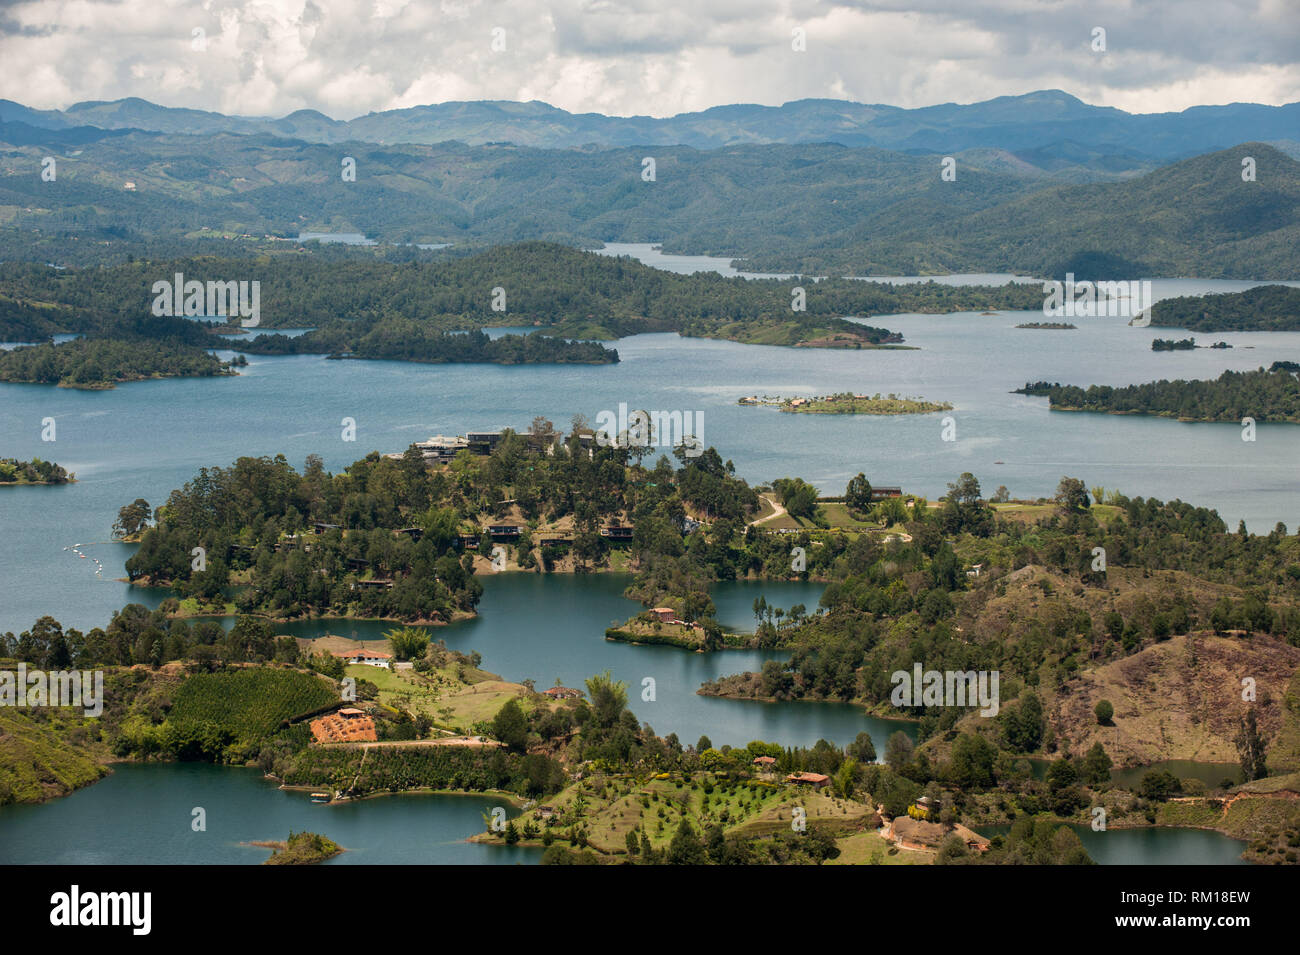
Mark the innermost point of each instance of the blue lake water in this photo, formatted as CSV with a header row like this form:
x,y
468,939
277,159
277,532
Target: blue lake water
x,y
144,815
1153,846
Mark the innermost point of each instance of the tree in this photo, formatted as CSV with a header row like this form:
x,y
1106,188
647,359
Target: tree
x,y
408,642
1022,725
1159,786
1103,711
965,491
846,778
1072,495
703,744
608,699
862,748
1061,774
510,725
972,761
898,751
858,494
1095,766
1250,747
132,518
798,497
686,848
952,851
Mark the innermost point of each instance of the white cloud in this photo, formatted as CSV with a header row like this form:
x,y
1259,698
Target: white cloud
x,y
657,57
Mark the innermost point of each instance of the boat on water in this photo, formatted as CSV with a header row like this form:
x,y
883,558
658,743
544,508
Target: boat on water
x,y
320,797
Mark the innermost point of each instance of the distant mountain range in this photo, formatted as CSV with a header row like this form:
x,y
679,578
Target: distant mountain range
x,y
1051,124
1101,206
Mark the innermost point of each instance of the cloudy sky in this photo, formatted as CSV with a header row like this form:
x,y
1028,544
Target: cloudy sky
x,y
652,57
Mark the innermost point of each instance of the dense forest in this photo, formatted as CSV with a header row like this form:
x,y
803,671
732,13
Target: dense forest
x,y
385,537
539,284
252,521
1266,308
400,339
1272,395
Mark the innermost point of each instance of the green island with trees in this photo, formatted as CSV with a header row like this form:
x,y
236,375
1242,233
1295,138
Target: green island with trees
x,y
1265,308
301,848
35,471
100,364
1264,395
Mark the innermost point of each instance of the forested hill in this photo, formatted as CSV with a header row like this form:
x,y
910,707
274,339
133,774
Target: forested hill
x,y
1266,308
540,284
1272,395
1195,217
815,208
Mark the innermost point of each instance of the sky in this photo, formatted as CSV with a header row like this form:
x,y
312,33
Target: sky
x,y
643,57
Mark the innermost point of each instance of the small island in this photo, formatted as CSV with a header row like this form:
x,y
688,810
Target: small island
x,y
1182,344
35,471
1048,325
1272,395
101,364
664,626
301,848
849,403
1265,308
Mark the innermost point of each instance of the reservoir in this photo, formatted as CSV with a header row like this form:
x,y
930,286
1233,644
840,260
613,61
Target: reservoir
x,y
1152,846
144,814
145,438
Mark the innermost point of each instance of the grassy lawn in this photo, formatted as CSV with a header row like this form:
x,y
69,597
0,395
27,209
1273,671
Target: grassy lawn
x,y
441,695
1030,513
867,848
190,607
838,516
